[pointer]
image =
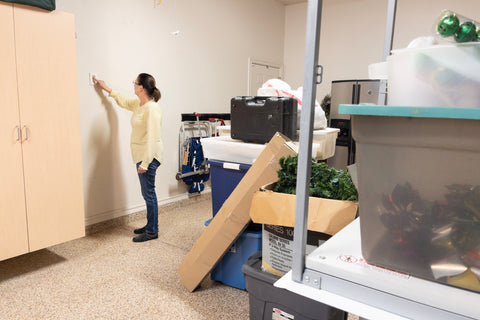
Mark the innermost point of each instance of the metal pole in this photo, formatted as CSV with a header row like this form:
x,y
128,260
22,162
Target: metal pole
x,y
314,13
387,47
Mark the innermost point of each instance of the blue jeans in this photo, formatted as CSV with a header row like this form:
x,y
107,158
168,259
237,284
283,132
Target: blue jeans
x,y
147,183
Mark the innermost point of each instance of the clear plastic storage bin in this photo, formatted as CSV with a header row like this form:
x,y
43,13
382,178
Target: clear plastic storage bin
x,y
419,190
441,75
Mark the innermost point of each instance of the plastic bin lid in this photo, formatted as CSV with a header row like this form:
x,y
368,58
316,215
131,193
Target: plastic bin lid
x,y
407,111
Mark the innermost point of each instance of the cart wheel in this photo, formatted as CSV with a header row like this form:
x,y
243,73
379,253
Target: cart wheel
x,y
178,176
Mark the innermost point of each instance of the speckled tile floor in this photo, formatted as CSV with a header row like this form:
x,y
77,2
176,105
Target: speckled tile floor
x,y
106,276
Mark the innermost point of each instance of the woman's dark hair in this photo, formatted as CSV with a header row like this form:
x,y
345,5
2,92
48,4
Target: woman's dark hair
x,y
148,83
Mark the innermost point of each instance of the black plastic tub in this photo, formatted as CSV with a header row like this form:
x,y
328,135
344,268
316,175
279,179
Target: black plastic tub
x,y
271,303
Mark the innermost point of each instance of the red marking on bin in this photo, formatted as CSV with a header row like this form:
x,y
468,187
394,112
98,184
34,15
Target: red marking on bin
x,y
348,258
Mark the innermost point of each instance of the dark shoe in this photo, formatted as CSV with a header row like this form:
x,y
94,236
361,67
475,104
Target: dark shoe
x,y
145,237
139,230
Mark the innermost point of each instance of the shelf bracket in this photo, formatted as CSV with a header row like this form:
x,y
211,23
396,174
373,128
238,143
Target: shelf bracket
x,y
312,279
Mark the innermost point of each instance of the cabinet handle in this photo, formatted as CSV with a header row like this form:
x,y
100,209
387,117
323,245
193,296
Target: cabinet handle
x,y
26,132
19,133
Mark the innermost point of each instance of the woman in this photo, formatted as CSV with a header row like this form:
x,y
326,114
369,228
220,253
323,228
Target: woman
x,y
146,144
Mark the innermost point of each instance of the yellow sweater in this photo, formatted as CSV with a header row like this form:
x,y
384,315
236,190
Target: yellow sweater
x,y
145,142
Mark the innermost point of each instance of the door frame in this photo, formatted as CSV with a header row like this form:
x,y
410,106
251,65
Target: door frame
x,y
252,61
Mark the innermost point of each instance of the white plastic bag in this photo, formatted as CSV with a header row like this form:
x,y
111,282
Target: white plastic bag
x,y
279,88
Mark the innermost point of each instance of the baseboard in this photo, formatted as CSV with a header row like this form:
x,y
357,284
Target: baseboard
x,y
121,216
113,214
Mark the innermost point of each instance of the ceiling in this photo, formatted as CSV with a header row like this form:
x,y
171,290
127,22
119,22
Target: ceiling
x,y
287,2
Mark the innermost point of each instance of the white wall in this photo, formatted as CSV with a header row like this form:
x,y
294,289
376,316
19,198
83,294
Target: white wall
x,y
294,50
353,32
205,65
199,70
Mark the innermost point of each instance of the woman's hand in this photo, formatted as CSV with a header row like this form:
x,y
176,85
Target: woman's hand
x,y
141,170
102,84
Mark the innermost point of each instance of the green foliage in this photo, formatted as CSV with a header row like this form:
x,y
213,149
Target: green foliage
x,y
325,182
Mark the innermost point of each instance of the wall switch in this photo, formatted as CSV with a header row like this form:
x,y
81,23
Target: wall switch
x,y
90,78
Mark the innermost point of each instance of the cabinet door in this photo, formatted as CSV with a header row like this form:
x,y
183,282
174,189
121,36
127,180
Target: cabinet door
x,y
13,223
48,94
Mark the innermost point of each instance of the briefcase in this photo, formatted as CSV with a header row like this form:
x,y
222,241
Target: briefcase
x,y
257,119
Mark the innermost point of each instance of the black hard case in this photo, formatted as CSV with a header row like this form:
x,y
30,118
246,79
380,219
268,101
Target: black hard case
x,y
257,119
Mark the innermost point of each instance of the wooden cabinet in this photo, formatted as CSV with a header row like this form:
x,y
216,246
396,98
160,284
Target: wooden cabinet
x,y
41,192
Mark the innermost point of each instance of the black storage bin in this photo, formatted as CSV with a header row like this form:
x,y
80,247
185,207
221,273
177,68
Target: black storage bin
x,y
268,302
257,119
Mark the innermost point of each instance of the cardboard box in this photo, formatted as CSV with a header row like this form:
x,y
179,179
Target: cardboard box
x,y
233,216
324,215
272,208
277,247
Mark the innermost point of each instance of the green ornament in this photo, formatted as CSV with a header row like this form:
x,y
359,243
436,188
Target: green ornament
x,y
478,33
466,32
448,25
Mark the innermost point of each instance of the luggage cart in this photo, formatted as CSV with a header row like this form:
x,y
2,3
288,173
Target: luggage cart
x,y
193,169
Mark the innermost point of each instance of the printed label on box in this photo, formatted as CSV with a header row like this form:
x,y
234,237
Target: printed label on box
x,y
277,247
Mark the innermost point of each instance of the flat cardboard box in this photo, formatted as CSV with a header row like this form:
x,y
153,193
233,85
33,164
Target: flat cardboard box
x,y
233,216
324,215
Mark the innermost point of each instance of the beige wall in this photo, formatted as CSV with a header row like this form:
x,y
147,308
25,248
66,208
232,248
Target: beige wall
x,y
199,70
205,65
353,32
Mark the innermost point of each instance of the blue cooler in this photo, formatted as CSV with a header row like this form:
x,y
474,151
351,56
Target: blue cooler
x,y
224,177
229,269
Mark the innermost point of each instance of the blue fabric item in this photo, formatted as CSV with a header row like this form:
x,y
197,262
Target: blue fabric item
x,y
197,153
194,162
147,184
197,187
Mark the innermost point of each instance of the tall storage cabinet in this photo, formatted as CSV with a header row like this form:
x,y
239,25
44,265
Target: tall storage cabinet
x,y
41,192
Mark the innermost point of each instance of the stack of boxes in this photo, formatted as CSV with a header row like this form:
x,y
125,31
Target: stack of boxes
x,y
231,238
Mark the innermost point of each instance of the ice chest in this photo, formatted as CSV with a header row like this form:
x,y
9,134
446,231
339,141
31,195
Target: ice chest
x,y
419,190
271,303
257,119
225,176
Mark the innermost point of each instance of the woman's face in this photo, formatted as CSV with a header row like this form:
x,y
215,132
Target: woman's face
x,y
137,87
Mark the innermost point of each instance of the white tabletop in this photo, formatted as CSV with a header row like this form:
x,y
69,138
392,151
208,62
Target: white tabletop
x,y
347,282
